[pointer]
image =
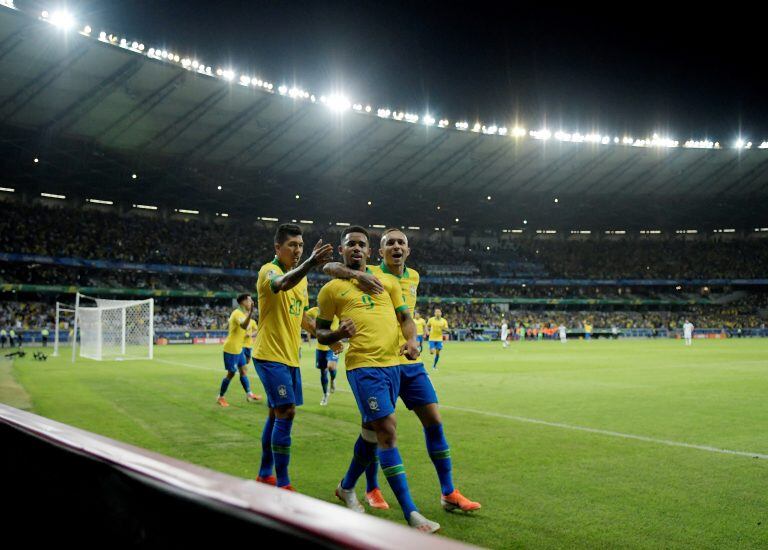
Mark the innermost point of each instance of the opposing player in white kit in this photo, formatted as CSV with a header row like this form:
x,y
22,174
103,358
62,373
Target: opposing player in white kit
x,y
688,332
504,333
561,330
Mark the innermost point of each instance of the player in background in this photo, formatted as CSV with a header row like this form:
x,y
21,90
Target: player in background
x,y
504,333
561,330
436,325
326,359
234,349
3,337
587,330
283,301
421,328
370,321
250,334
416,389
688,332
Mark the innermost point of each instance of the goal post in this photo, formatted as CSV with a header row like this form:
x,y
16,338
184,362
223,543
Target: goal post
x,y
114,329
65,314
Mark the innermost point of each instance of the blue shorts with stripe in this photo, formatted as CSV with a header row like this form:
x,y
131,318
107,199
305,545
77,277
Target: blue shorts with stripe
x,y
282,383
233,361
323,357
247,352
416,388
375,390
435,344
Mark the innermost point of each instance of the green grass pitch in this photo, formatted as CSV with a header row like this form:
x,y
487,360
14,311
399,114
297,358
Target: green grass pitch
x,y
513,418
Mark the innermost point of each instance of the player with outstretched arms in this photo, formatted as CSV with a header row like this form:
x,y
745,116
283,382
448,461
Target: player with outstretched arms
x,y
370,321
416,389
283,301
235,359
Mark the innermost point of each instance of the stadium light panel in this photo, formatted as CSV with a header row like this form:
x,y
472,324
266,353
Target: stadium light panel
x,y
488,197
53,196
218,187
476,127
306,221
266,219
518,131
298,197
86,30
379,226
343,224
557,200
224,215
99,201
414,227
134,176
456,220
7,189
367,108
61,18
145,207
36,160
7,4
185,211
338,103
369,203
525,222
429,120
463,126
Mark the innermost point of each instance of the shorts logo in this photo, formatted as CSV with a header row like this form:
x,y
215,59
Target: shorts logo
x,y
373,404
282,391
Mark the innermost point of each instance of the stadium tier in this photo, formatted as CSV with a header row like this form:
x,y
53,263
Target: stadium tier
x,y
159,213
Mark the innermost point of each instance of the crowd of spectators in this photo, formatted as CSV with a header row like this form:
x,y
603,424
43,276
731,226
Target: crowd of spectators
x,y
96,235
170,316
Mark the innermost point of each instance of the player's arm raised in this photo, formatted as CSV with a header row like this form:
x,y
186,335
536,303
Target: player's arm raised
x,y
321,254
247,319
368,283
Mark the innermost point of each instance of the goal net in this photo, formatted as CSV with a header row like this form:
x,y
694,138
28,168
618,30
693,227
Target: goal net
x,y
114,329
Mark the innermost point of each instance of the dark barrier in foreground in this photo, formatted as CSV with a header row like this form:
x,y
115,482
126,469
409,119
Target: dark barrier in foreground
x,y
64,485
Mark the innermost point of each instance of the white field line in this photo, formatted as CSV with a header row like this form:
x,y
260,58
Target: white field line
x,y
560,425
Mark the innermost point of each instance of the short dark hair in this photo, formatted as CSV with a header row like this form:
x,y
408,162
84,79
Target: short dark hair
x,y
286,230
355,229
242,298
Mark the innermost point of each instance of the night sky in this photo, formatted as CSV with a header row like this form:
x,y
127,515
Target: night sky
x,y
634,69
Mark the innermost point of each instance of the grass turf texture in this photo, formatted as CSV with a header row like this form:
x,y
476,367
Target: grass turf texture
x,y
540,485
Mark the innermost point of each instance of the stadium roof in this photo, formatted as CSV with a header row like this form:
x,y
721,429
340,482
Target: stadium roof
x,y
99,113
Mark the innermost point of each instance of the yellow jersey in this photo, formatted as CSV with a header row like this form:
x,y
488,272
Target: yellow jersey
x,y
250,333
420,324
312,312
375,342
235,335
280,315
436,328
409,284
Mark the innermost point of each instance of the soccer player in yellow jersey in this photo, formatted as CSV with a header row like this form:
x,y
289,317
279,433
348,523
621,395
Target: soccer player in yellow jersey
x,y
421,328
235,358
436,326
326,358
283,301
416,390
370,321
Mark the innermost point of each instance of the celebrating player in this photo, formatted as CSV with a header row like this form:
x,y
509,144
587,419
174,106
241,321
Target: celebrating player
x,y
283,301
234,349
416,389
326,359
436,326
370,321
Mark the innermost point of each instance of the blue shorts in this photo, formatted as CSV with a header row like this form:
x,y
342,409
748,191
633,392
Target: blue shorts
x,y
375,390
233,361
435,344
420,339
247,353
282,383
416,388
323,357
